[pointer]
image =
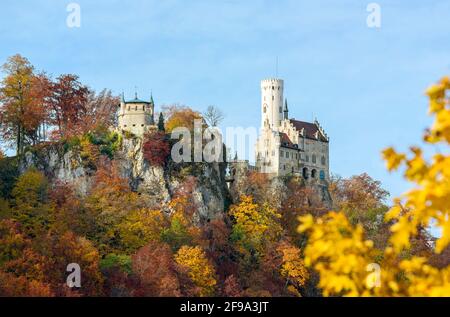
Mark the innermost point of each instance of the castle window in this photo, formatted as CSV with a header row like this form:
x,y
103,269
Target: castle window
x,y
281,110
143,108
281,153
273,88
313,173
284,167
307,158
323,160
142,125
128,108
135,108
305,173
134,125
314,158
265,109
322,175
287,154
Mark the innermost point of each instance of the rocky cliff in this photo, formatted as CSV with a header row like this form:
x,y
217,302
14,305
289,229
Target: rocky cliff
x,y
155,184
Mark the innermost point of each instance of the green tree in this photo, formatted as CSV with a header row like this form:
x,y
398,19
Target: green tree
x,y
161,122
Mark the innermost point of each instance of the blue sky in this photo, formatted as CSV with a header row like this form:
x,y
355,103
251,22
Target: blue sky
x,y
364,85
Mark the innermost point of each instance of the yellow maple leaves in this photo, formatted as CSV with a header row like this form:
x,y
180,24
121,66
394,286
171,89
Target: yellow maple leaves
x,y
255,225
339,252
200,270
293,267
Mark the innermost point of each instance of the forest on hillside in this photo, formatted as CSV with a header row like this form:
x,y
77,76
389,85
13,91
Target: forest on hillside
x,y
267,242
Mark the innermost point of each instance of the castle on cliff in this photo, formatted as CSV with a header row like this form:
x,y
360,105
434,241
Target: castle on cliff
x,y
287,146
136,115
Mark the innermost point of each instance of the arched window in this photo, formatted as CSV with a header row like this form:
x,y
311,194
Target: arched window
x,y
307,158
313,174
314,158
305,173
265,109
322,175
323,160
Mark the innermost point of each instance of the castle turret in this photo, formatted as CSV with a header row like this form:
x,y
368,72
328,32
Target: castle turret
x,y
136,115
272,103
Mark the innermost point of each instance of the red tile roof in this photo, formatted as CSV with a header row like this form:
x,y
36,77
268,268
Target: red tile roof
x,y
286,142
311,130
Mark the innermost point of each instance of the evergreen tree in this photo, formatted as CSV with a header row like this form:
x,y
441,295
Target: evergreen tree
x,y
161,122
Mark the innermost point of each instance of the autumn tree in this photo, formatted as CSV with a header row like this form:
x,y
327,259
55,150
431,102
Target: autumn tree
x,y
333,235
30,202
231,287
19,286
298,200
100,111
68,103
292,266
254,226
12,241
363,200
200,270
109,201
23,99
156,148
180,116
60,250
156,269
140,227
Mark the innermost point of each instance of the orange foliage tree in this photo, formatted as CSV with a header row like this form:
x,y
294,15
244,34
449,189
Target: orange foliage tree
x,y
180,116
156,148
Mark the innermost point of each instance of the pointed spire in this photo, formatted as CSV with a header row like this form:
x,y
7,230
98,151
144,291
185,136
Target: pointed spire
x,y
135,93
286,110
151,98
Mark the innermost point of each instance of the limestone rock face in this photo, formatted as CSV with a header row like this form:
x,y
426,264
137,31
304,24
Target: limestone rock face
x,y
156,185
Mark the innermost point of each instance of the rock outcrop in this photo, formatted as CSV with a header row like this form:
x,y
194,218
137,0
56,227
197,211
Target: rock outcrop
x,y
155,184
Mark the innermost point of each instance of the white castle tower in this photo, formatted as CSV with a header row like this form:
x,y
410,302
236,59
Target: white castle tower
x,y
136,116
271,103
287,146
